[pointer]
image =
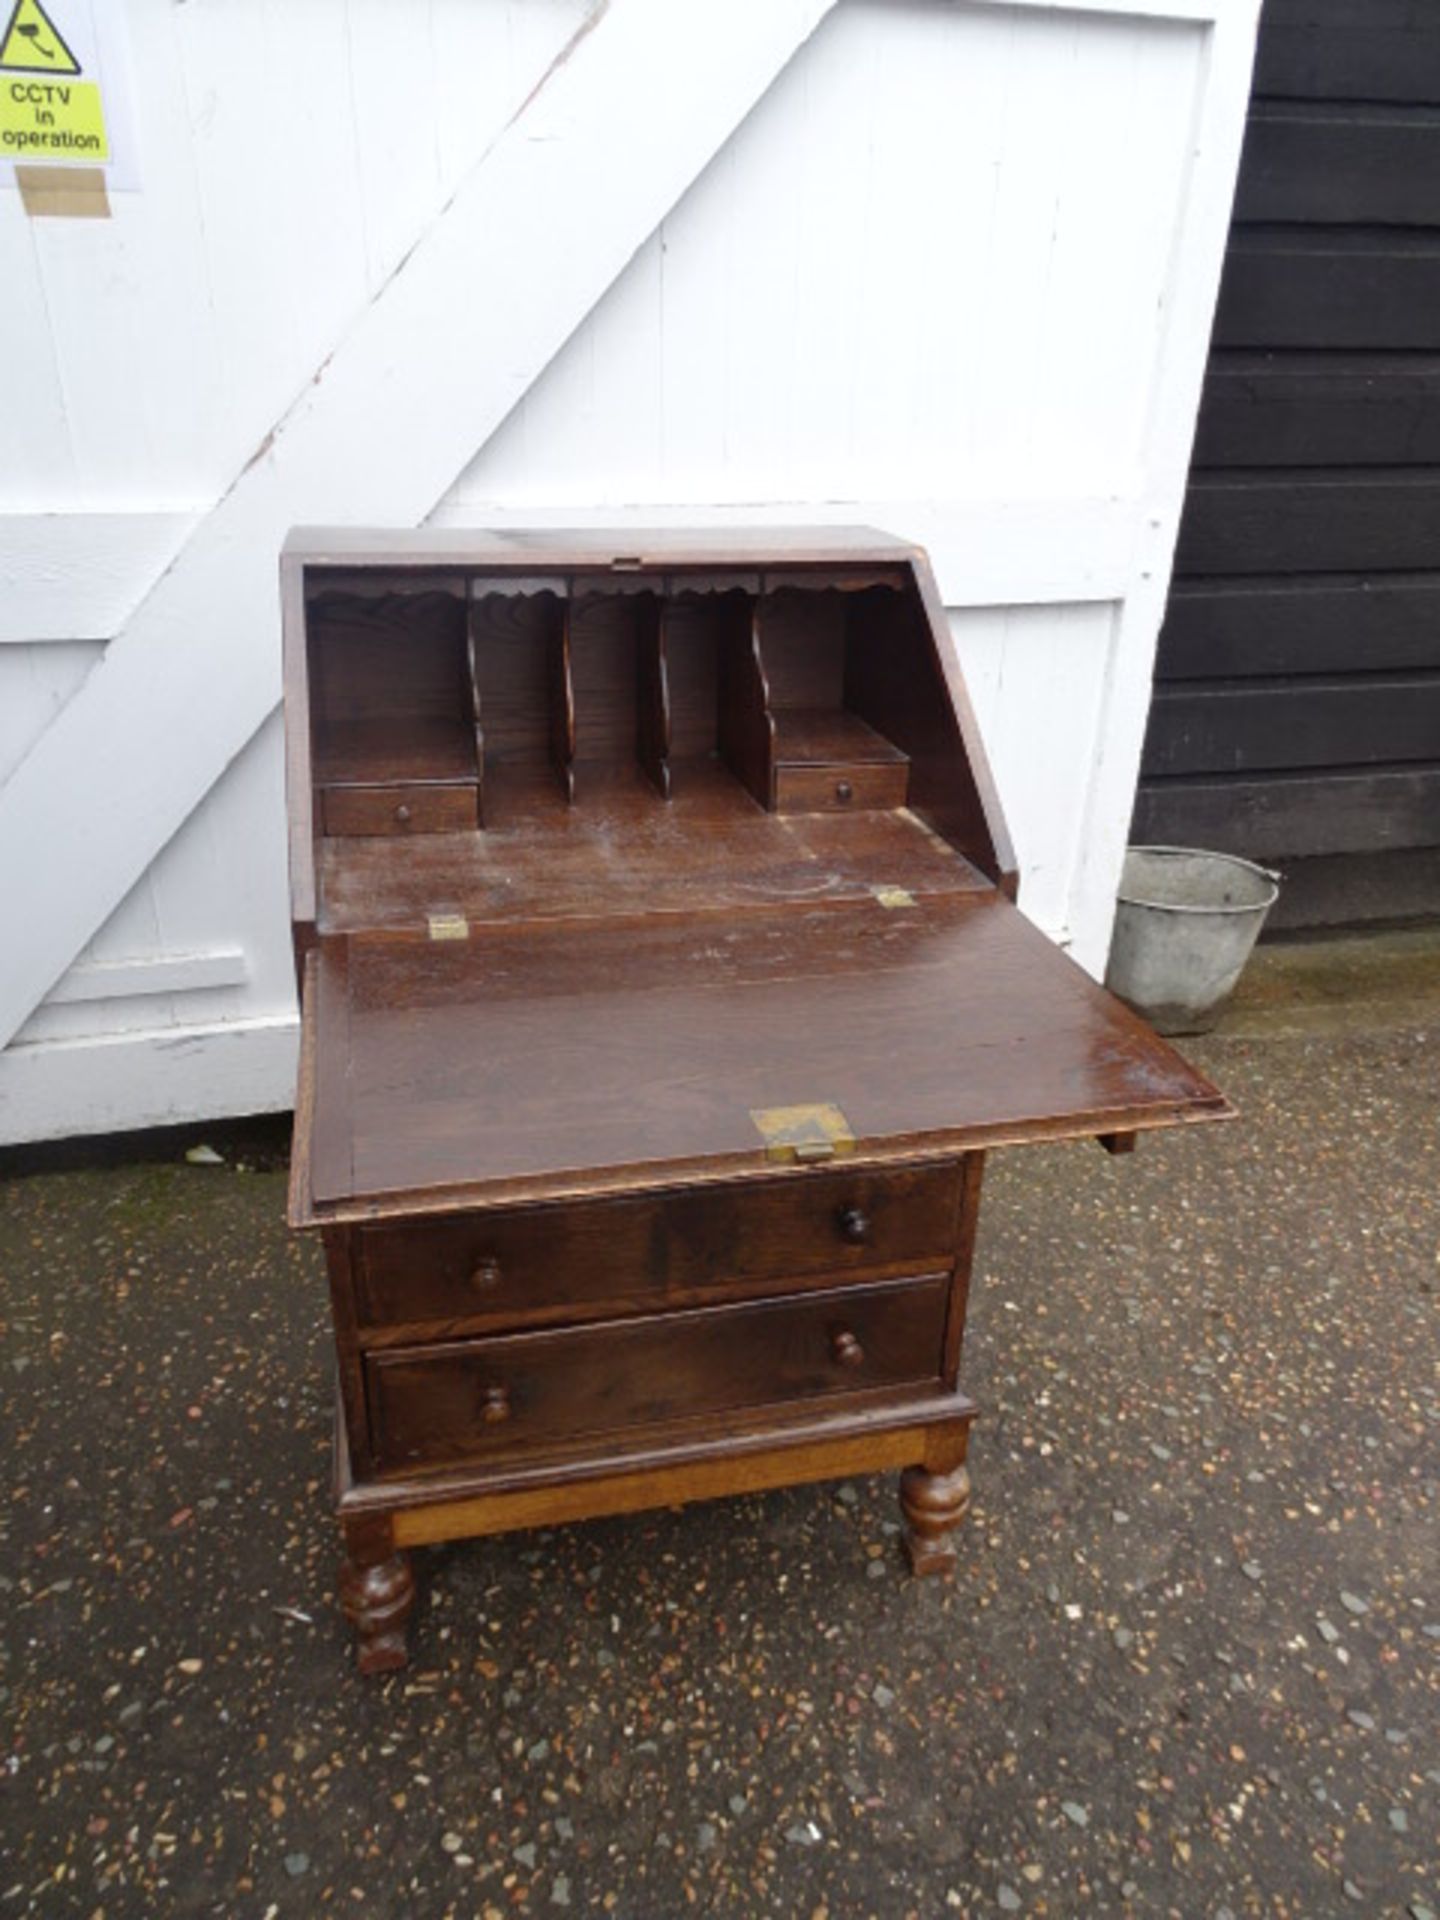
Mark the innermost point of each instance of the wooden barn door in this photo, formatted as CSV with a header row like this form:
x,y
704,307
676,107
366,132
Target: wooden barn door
x,y
945,268
1296,716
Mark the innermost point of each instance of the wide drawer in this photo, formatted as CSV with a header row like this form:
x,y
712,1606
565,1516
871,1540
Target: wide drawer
x,y
400,809
474,1399
654,1249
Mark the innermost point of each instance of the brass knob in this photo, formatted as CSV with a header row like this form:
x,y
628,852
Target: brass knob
x,y
847,1349
854,1225
402,814
495,1405
485,1274
844,791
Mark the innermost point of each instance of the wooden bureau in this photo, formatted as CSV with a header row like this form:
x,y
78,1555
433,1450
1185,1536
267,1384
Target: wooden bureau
x,y
662,993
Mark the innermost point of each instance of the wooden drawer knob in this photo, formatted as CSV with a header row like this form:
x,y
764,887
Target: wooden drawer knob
x,y
485,1274
854,1225
847,1349
495,1405
844,792
402,814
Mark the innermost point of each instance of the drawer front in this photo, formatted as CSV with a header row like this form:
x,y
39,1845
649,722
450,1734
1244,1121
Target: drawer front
x,y
840,788
549,1262
475,1399
400,809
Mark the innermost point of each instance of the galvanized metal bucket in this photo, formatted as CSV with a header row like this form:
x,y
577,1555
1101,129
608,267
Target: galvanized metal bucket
x,y
1185,924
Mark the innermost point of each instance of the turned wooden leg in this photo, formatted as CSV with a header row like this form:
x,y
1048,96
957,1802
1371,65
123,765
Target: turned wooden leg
x,y
933,1505
377,1595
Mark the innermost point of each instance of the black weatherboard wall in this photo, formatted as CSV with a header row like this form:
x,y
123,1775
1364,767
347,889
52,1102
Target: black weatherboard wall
x,y
1296,716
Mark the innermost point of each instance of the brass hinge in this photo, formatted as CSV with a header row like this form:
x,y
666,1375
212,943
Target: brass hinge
x,y
447,926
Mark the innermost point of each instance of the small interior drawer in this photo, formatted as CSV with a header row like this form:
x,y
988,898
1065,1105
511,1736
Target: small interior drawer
x,y
441,1405
832,762
543,1263
400,809
840,788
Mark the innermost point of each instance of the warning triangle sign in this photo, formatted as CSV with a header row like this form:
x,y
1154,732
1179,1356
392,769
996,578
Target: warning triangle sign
x,y
34,44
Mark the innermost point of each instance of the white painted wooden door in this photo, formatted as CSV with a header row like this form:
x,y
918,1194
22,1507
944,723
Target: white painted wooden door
x,y
942,265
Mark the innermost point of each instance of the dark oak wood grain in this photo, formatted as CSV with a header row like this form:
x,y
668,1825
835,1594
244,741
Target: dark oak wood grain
x,y
400,809
529,1265
530,1064
829,736
605,630
512,636
695,628
464,1400
802,642
825,1440
377,1594
712,850
662,994
652,690
746,723
933,1504
839,788
902,677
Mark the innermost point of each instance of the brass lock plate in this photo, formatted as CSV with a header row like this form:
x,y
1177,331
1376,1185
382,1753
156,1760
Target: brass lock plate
x,y
817,1132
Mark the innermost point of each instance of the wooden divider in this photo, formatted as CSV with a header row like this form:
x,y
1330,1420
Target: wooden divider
x,y
652,693
562,701
747,731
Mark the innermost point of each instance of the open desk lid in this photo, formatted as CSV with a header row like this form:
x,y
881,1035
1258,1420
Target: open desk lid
x,y
515,1067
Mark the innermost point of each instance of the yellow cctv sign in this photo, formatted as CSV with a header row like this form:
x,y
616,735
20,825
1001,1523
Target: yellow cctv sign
x,y
50,109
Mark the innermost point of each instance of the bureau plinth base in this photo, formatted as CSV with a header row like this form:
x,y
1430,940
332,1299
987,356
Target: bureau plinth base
x,y
382,1519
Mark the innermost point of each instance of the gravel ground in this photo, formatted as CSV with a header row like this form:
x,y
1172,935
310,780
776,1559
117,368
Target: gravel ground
x,y
1190,1664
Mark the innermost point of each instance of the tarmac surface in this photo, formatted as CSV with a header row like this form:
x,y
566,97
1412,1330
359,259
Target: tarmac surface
x,y
1190,1663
